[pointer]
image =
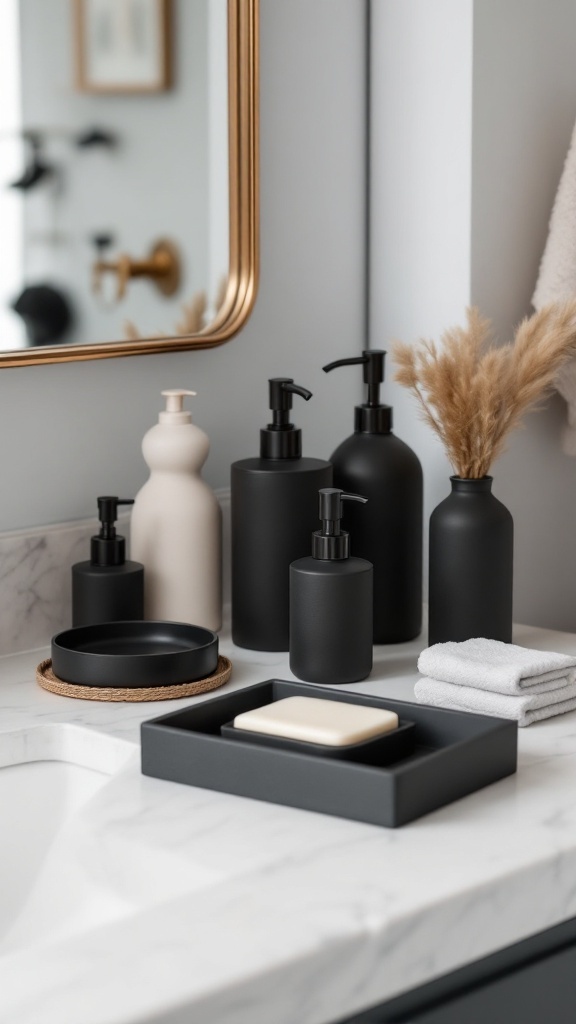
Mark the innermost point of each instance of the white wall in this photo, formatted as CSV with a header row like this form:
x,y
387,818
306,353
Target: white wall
x,y
473,105
421,89
11,212
71,432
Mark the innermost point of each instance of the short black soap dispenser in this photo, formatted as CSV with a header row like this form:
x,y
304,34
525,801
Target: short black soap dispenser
x,y
389,533
107,588
274,504
331,603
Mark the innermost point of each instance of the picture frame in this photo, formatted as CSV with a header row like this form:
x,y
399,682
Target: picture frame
x,y
123,46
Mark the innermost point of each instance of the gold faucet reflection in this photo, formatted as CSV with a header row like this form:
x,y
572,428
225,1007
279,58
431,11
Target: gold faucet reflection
x,y
161,266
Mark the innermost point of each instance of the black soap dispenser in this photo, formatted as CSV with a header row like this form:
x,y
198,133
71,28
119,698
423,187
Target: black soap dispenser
x,y
107,588
274,504
331,603
374,462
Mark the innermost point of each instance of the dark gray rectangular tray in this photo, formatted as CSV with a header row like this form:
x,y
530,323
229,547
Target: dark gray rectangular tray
x,y
456,753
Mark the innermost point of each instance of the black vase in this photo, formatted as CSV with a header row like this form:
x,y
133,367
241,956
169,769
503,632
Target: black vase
x,y
471,565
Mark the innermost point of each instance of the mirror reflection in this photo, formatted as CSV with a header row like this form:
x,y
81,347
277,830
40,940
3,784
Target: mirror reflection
x,y
114,185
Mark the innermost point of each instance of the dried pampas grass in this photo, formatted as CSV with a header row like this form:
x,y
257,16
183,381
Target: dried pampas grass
x,y
193,315
193,322
473,393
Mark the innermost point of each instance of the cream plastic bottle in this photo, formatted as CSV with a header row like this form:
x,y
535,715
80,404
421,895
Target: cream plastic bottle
x,y
176,528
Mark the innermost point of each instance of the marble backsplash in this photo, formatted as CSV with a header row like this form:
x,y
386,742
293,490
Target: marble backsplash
x,y
35,588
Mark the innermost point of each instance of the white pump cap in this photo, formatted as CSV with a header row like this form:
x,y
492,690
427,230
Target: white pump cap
x,y
175,412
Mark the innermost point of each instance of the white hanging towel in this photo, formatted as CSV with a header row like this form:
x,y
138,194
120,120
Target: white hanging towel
x,y
557,277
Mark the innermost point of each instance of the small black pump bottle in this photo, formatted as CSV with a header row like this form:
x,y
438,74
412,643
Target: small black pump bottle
x,y
331,603
274,505
374,462
107,588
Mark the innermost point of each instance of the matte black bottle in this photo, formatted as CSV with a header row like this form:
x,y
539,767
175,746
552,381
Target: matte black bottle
x,y
471,563
331,603
372,461
274,510
107,588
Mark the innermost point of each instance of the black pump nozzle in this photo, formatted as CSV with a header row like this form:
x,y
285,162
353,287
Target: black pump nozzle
x,y
371,417
281,391
281,439
109,548
331,543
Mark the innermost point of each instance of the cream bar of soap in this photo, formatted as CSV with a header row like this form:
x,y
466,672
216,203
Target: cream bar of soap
x,y
331,722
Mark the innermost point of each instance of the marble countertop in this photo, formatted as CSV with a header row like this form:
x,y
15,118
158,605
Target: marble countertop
x,y
240,912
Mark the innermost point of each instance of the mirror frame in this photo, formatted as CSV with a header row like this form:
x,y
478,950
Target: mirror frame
x,y
243,97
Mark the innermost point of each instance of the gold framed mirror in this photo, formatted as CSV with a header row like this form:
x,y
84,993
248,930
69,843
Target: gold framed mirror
x,y
155,264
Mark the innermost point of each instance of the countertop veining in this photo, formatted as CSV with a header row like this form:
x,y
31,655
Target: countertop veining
x,y
240,912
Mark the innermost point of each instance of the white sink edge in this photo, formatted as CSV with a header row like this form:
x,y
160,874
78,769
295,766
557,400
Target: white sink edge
x,y
64,741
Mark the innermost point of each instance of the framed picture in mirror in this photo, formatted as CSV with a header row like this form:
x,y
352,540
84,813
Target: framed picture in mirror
x,y
123,46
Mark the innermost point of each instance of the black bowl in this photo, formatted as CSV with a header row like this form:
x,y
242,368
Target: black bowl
x,y
135,653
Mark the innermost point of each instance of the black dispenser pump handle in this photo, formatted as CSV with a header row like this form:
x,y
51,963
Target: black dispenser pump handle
x,y
109,548
331,543
281,391
281,439
372,417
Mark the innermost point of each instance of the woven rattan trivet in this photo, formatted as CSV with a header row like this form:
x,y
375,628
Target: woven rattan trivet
x,y
48,681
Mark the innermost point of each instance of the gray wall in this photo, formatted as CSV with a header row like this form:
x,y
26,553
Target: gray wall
x,y
73,431
473,107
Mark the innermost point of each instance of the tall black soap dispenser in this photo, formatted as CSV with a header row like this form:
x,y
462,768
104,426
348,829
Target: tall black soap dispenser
x,y
331,603
107,588
274,506
374,462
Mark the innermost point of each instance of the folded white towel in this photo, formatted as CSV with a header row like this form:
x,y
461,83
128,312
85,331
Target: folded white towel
x,y
525,710
501,668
